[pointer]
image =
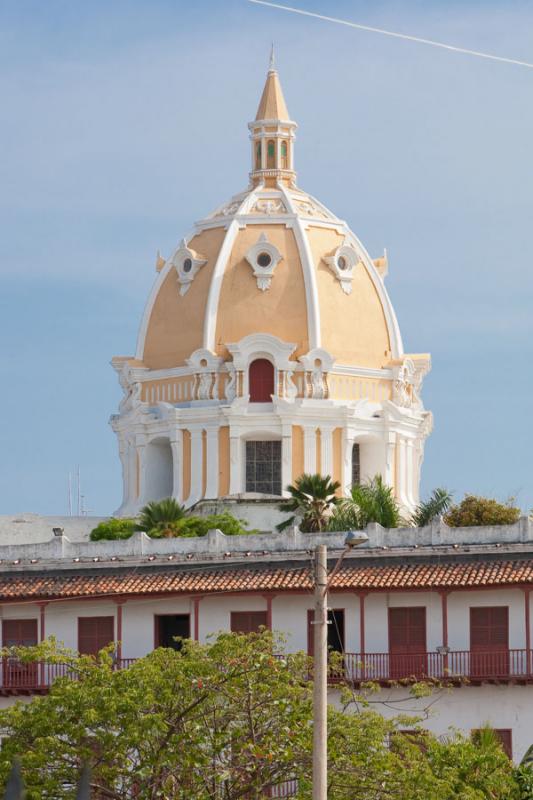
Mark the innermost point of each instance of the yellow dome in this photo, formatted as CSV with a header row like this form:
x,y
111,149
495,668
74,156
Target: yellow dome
x,y
323,291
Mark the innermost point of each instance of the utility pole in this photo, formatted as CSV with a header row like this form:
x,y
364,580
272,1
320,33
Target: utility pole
x,y
320,658
320,677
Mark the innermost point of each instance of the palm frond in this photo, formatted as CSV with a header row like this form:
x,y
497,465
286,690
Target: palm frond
x,y
435,506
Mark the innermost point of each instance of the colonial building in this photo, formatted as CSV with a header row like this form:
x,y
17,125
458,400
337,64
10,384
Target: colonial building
x,y
268,347
440,603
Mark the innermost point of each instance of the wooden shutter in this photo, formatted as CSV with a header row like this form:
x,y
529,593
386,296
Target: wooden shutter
x,y
248,621
261,381
489,628
19,632
407,630
95,633
407,642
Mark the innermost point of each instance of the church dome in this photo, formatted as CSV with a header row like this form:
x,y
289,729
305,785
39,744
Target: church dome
x,y
268,348
272,260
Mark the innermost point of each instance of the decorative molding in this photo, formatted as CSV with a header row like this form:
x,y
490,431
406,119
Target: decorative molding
x,y
206,366
342,263
263,258
187,263
257,345
211,311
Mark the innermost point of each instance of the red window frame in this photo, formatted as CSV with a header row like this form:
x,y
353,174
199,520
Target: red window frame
x,y
261,381
407,641
489,641
157,635
505,735
19,633
248,621
90,642
311,628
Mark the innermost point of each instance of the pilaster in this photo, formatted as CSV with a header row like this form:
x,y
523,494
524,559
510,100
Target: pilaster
x,y
310,449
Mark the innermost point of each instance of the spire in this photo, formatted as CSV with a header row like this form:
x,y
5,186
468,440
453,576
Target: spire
x,y
272,104
272,135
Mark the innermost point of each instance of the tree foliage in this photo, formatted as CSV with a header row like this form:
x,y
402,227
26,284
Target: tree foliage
x,y
313,499
165,519
474,510
372,501
225,721
435,506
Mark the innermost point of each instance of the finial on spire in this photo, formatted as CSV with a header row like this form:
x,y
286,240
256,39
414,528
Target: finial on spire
x,y
272,63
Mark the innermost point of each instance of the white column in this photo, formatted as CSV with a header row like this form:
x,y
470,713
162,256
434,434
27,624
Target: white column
x,y
286,458
410,470
389,473
196,466
211,487
176,445
141,467
310,450
402,473
123,451
347,444
326,450
235,463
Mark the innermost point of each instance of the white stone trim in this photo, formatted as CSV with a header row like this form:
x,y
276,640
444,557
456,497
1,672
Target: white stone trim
x,y
263,275
257,345
211,308
309,273
179,259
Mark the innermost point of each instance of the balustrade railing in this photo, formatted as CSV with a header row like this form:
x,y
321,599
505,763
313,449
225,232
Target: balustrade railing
x,y
497,665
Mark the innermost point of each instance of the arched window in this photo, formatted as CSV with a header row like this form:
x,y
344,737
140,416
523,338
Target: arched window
x,y
284,159
258,155
356,465
261,381
271,154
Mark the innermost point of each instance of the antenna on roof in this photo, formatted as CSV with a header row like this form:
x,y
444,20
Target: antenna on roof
x,y
79,492
69,494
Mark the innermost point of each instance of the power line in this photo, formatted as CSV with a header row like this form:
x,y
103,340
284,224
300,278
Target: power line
x,y
394,34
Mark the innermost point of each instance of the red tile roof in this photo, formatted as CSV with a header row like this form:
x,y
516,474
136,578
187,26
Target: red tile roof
x,y
262,578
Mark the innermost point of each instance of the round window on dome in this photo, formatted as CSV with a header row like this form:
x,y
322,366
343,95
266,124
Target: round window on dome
x,y
342,263
264,260
187,265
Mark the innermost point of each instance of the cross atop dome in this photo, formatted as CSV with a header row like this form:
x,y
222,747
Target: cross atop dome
x,y
272,134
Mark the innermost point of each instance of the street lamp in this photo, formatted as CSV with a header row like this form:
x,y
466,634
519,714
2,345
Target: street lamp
x,y
320,671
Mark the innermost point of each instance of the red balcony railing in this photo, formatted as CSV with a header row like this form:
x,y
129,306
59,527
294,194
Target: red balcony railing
x,y
17,677
502,665
456,665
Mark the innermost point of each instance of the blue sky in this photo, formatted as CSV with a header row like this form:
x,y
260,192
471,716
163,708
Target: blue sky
x,y
124,122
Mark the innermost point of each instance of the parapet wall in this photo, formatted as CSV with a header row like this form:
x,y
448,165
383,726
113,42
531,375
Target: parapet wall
x,y
217,545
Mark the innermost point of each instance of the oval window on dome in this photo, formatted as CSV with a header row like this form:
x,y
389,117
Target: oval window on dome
x,y
264,260
342,263
187,265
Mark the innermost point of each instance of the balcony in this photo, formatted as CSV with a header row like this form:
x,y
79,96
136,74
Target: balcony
x,y
18,678
456,666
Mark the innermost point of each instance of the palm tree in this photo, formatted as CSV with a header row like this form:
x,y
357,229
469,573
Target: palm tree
x,y
312,499
372,501
437,505
161,517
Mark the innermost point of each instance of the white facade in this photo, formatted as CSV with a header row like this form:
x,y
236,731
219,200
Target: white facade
x,y
497,695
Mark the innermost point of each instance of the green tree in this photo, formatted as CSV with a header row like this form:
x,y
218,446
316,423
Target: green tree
x,y
113,528
475,510
160,517
225,721
372,501
312,500
436,505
